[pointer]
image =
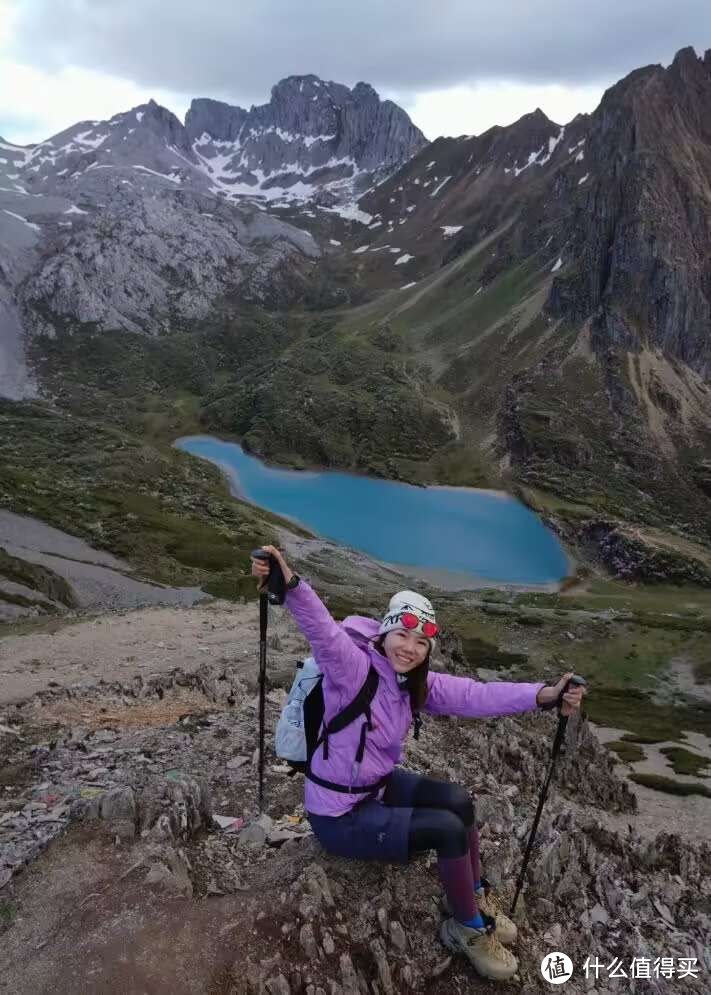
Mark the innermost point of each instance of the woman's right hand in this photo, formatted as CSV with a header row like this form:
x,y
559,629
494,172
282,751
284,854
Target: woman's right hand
x,y
260,568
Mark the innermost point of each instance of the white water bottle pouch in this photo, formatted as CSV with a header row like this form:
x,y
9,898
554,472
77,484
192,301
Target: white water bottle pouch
x,y
290,737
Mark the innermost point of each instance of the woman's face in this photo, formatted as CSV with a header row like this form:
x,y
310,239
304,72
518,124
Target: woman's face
x,y
405,650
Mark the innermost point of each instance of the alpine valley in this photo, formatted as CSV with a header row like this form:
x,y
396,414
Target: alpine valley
x,y
526,310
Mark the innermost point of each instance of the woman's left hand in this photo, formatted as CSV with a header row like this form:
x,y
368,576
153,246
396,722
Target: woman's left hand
x,y
571,700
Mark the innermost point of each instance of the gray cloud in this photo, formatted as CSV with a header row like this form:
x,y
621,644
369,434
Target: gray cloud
x,y
237,51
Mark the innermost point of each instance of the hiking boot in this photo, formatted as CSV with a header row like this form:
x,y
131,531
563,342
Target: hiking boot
x,y
485,953
490,905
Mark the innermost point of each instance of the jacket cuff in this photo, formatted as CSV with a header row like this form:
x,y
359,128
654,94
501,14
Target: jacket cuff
x,y
542,708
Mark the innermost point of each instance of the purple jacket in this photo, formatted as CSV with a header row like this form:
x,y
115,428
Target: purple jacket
x,y
344,660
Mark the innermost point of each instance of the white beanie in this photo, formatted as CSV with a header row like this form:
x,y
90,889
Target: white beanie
x,y
408,601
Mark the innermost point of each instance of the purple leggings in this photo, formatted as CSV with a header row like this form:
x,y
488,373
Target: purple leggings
x,y
443,820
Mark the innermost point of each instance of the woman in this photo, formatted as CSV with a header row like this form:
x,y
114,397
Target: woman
x,y
359,803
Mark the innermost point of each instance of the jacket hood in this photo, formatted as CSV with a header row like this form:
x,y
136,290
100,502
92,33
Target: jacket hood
x,y
363,631
360,628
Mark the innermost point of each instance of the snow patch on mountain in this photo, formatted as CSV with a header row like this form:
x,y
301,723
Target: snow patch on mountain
x,y
440,185
24,220
541,157
163,176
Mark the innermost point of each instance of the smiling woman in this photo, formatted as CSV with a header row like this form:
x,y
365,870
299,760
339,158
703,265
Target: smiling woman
x,y
359,802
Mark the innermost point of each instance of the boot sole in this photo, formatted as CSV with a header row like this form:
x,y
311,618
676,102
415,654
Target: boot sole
x,y
456,949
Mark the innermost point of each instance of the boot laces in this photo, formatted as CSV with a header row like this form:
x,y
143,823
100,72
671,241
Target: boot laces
x,y
489,899
496,948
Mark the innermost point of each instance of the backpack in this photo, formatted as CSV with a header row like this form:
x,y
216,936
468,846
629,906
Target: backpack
x,y
301,730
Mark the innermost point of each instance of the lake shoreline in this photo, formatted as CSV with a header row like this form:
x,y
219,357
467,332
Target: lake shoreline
x,y
357,563
313,469
347,509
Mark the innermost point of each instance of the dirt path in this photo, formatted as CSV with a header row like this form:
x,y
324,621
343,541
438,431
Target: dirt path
x,y
98,579
105,928
117,646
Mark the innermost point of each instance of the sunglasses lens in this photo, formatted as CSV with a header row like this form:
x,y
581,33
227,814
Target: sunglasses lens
x,y
429,629
409,620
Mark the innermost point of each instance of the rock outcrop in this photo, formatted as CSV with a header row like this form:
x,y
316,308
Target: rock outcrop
x,y
140,222
640,236
312,134
155,261
162,773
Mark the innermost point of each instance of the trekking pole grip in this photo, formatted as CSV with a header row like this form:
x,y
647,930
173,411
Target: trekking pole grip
x,y
275,584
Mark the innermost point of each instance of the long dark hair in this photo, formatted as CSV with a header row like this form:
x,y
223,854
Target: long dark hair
x,y
416,682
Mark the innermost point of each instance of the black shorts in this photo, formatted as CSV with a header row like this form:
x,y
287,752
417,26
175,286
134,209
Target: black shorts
x,y
381,829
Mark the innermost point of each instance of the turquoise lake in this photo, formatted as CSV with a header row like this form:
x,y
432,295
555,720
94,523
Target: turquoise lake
x,y
482,534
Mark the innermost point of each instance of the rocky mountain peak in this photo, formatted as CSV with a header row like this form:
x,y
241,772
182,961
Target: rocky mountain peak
x,y
214,117
687,63
533,127
644,251
537,115
303,88
313,140
161,122
364,91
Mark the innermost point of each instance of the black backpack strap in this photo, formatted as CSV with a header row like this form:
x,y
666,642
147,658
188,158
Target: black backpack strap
x,y
313,715
359,706
367,726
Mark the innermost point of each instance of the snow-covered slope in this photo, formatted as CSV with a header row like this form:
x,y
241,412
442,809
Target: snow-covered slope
x,y
140,221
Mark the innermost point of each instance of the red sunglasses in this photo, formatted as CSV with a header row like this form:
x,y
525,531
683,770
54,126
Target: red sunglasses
x,y
408,620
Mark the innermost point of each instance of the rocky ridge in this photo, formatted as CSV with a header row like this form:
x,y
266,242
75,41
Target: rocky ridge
x,y
162,769
314,140
556,280
142,223
604,202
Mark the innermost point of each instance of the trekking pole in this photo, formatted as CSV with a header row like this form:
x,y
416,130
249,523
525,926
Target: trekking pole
x,y
263,615
271,591
557,742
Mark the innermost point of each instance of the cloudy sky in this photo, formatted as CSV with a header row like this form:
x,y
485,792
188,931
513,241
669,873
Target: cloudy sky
x,y
457,66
